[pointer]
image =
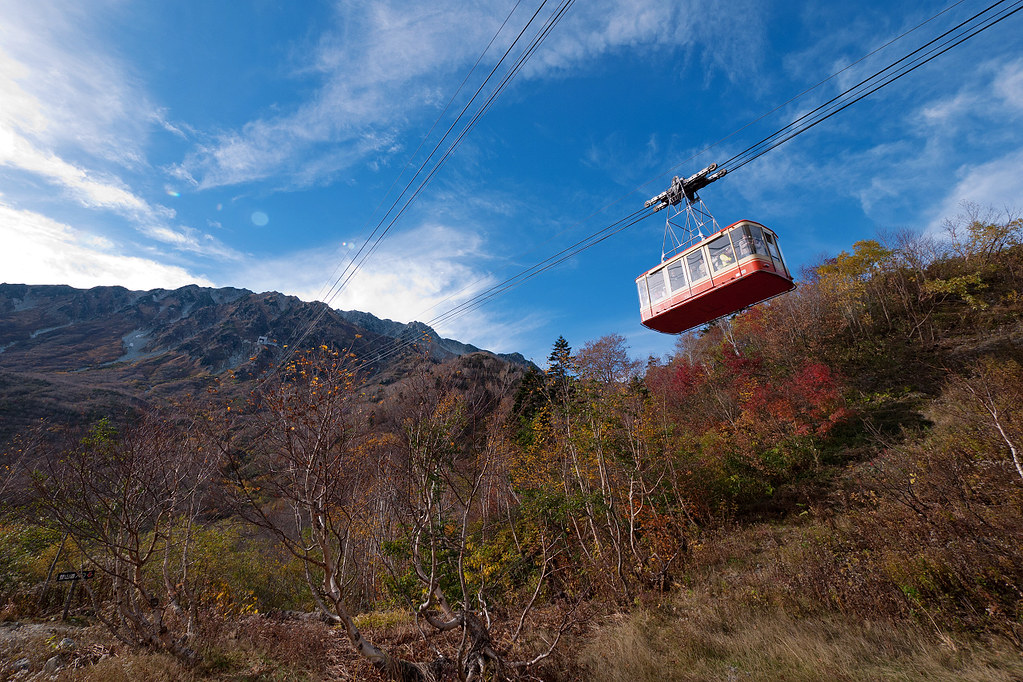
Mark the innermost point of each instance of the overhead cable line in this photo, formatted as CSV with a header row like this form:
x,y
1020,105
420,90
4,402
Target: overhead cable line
x,y
520,61
399,345
941,44
795,97
685,189
873,83
703,150
370,245
332,281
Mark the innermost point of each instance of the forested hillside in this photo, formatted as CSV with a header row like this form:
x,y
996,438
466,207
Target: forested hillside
x,y
829,484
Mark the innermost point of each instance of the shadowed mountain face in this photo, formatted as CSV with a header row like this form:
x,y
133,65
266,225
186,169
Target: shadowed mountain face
x,y
70,353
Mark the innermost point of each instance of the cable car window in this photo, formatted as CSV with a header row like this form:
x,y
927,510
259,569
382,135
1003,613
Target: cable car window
x,y
743,241
697,265
655,281
773,246
676,276
721,254
644,300
758,239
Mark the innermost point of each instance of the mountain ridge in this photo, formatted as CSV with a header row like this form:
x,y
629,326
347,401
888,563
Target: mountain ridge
x,y
65,351
414,330
20,298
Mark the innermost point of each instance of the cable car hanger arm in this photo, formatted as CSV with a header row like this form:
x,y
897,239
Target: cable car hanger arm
x,y
685,189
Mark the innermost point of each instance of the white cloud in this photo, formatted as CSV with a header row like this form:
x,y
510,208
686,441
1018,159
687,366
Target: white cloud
x,y
941,112
724,36
87,188
378,65
93,190
59,86
386,63
1009,84
997,184
911,161
402,280
39,250
189,239
425,273
74,116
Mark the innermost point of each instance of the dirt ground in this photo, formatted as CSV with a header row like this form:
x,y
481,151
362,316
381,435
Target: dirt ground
x,y
25,649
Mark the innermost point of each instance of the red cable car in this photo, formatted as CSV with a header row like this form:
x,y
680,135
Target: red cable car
x,y
733,268
707,277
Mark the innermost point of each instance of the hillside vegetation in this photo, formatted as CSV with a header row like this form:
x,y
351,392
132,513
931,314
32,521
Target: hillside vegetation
x,y
830,484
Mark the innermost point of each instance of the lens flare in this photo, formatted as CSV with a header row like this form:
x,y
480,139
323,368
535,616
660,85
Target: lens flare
x,y
259,219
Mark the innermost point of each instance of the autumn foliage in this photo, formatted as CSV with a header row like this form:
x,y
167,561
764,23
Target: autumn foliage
x,y
871,421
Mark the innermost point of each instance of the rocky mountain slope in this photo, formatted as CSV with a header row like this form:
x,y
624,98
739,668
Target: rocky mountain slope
x,y
67,352
420,333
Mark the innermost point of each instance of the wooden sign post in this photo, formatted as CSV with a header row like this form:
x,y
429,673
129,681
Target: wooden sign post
x,y
74,577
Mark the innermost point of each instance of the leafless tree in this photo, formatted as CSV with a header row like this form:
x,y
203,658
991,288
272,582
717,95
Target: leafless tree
x,y
446,466
130,501
323,483
989,400
607,360
302,479
979,233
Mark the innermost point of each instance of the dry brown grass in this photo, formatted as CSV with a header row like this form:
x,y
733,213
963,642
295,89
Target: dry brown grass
x,y
251,649
131,667
299,644
692,635
38,642
695,638
758,606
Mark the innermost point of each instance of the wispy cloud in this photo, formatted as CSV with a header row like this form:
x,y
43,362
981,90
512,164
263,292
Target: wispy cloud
x,y
428,272
60,87
404,280
184,238
386,64
40,250
902,175
997,184
88,188
1009,84
724,37
379,64
76,118
977,119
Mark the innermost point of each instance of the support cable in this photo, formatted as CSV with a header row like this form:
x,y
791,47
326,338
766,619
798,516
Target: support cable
x,y
840,102
367,248
798,126
757,150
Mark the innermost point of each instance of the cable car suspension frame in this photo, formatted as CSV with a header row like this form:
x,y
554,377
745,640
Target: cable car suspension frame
x,y
688,216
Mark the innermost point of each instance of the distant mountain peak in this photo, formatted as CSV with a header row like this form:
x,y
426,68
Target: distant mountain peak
x,y
423,333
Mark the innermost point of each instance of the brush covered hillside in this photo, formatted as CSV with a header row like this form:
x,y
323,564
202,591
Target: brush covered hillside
x,y
826,486
75,354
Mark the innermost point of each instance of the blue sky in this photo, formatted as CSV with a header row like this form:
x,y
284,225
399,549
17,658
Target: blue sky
x,y
249,145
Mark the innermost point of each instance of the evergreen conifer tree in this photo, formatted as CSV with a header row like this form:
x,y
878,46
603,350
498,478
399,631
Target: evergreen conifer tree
x,y
559,362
